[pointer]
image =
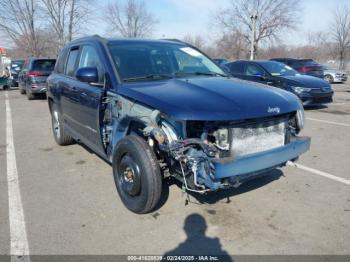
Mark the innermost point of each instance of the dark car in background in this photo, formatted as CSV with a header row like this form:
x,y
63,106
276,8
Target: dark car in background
x,y
310,90
303,66
220,61
15,67
32,78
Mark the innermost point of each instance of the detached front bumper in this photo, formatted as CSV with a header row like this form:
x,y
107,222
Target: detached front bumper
x,y
253,163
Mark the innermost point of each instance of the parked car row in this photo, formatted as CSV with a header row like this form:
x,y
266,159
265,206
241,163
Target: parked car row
x,y
305,67
33,75
310,90
307,79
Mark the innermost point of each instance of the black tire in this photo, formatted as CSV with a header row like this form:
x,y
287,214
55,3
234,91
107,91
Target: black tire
x,y
22,91
137,175
59,133
329,78
30,95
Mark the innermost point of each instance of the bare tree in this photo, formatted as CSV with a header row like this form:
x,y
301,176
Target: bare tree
x,y
17,21
340,31
197,41
131,19
65,18
273,17
232,45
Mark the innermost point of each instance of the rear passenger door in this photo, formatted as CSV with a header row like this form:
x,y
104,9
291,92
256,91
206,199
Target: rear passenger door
x,y
90,97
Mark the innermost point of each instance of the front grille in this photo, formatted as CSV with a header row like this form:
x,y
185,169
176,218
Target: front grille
x,y
327,99
258,137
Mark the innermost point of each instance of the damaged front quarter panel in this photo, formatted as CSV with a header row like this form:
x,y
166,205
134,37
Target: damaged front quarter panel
x,y
206,156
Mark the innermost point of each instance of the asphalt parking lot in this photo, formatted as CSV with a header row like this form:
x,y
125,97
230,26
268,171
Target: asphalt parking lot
x,y
71,207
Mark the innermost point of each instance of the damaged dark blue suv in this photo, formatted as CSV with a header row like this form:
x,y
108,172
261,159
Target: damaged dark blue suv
x,y
160,108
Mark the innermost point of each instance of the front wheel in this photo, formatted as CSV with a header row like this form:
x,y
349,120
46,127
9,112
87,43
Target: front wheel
x,y
30,95
137,175
328,78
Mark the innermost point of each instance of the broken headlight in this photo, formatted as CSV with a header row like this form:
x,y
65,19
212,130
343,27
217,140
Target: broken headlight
x,y
222,139
169,131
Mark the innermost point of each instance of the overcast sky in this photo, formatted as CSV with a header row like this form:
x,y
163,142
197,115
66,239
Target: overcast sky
x,y
180,17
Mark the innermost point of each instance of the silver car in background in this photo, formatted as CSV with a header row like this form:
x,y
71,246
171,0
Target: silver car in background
x,y
334,75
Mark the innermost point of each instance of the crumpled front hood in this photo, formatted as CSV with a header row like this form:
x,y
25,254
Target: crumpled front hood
x,y
305,81
211,98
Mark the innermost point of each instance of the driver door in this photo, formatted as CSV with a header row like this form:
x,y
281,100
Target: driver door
x,y
90,99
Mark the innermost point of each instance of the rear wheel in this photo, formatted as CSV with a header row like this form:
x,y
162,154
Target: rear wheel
x,y
329,78
22,91
137,175
30,95
58,129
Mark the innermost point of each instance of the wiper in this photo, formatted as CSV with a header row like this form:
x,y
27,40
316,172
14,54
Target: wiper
x,y
210,73
148,77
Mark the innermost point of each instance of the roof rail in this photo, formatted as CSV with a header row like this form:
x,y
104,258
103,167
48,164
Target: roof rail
x,y
87,37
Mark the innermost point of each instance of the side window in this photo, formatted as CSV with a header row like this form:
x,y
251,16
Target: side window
x,y
59,68
254,70
70,66
236,68
90,58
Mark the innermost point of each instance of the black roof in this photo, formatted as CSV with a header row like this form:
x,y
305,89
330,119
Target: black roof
x,y
125,40
291,59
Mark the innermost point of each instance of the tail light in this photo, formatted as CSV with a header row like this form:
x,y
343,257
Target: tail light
x,y
36,73
309,68
304,69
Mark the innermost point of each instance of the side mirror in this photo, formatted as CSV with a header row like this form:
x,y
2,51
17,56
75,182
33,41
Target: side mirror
x,y
87,75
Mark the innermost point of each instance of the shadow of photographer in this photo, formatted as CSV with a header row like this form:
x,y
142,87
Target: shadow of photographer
x,y
197,243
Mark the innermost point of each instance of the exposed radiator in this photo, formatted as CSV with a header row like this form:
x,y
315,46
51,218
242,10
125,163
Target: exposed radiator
x,y
257,137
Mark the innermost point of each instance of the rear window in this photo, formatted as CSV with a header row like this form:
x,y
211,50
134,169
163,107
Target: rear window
x,y
43,65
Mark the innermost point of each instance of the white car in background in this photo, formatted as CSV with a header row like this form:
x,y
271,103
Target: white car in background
x,y
334,75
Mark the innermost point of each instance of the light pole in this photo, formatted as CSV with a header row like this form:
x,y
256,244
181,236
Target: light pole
x,y
253,19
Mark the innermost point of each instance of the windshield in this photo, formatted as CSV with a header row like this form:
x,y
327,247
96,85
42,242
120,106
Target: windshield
x,y
136,61
278,69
